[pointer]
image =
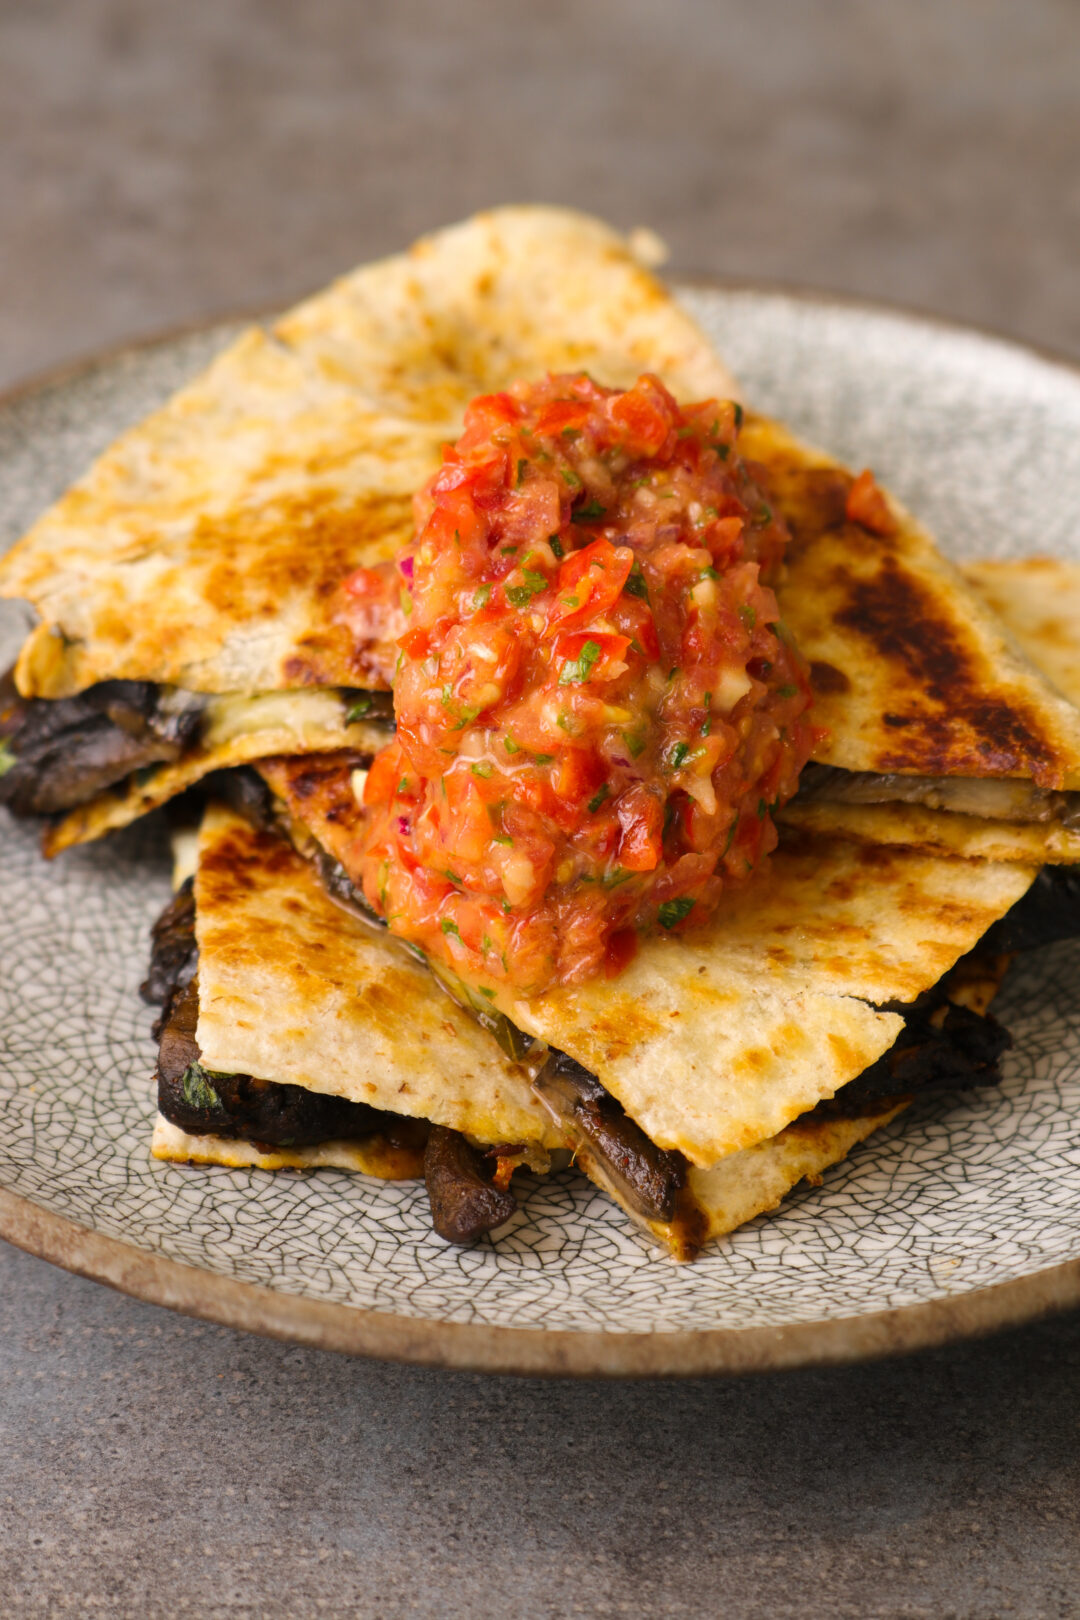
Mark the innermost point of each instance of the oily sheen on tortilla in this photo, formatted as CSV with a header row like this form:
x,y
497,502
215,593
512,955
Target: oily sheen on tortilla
x,y
718,1039
292,989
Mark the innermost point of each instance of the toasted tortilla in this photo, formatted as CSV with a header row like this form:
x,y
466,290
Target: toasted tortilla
x,y
295,990
1038,598
368,1155
718,1038
912,671
207,547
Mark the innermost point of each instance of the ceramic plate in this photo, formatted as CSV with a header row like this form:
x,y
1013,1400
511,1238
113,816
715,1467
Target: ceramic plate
x,y
963,1215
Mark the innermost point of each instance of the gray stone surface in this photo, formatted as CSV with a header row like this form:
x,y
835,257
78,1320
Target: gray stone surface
x,y
159,162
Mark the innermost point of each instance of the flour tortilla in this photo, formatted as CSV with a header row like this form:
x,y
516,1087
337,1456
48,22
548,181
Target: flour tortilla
x,y
295,990
719,1038
368,1155
912,672
1038,601
207,547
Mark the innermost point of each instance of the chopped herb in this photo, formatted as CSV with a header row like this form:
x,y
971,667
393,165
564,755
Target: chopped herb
x,y
763,513
542,759
732,830
787,690
482,596
708,573
635,743
670,814
672,912
678,754
590,512
723,450
564,723
453,877
570,601
575,673
738,416
196,1090
556,545
501,838
673,672
483,989
571,433
521,595
356,710
511,746
485,946
684,433
706,724
636,646
747,615
507,551
571,479
483,768
612,880
403,785
636,584
762,809
504,902
598,798
405,599
449,927
522,465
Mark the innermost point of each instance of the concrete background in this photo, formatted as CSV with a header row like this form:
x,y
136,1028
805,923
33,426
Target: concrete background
x,y
163,162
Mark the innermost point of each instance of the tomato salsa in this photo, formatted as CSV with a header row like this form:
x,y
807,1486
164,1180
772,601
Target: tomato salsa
x,y
597,706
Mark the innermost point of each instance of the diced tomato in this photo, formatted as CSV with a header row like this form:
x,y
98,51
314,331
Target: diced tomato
x,y
867,505
595,706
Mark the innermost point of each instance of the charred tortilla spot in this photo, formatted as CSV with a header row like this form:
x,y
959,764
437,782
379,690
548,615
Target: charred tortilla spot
x,y
961,728
827,678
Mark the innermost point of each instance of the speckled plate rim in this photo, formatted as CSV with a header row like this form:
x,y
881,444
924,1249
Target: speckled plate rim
x,y
532,1352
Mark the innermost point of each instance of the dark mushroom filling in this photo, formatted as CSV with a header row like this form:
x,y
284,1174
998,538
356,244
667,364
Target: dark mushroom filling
x,y
465,1202
56,753
238,1106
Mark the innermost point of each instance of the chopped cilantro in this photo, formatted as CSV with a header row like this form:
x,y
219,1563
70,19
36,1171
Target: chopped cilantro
x,y
521,467
571,479
483,768
762,809
747,615
556,545
598,798
452,877
482,596
738,416
196,1090
511,746
575,672
723,450
507,551
672,912
521,595
635,743
678,754
355,711
613,879
483,989
788,689
636,584
590,512
449,927
763,513
543,759
501,838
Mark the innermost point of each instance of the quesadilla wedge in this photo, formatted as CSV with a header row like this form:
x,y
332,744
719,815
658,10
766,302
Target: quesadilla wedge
x,y
717,1039
1038,602
928,699
313,1110
203,558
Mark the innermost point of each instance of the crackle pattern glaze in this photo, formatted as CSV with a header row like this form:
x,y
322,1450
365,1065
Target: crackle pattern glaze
x,y
983,440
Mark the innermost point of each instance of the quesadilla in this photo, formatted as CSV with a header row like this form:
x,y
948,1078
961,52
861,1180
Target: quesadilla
x,y
356,1047
929,701
1037,600
201,562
